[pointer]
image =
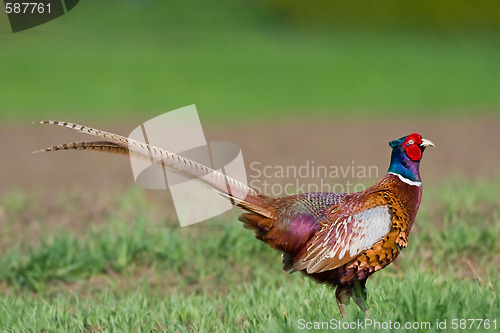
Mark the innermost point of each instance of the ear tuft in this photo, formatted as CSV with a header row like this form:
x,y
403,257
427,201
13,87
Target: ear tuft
x,y
394,143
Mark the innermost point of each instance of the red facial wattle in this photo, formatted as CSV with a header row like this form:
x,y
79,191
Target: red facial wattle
x,y
412,148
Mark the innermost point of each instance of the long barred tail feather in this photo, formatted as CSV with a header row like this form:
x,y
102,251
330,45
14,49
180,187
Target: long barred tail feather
x,y
105,146
241,194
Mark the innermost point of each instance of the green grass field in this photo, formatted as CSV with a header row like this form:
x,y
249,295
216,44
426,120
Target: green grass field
x,y
133,269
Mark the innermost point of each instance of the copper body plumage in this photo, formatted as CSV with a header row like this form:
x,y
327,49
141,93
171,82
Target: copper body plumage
x,y
339,239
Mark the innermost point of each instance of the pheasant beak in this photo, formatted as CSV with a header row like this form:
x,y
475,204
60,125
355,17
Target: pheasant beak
x,y
426,143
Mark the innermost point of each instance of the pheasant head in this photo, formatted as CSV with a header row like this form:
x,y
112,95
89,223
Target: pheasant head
x,y
406,155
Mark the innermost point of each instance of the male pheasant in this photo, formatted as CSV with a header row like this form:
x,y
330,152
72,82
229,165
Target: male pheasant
x,y
339,239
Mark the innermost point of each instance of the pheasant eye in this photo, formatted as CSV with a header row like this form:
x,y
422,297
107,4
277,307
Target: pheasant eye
x,y
410,142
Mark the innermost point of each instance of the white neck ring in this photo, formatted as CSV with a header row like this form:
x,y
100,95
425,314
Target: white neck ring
x,y
406,180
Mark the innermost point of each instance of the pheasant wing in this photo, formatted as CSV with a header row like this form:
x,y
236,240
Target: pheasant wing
x,y
343,238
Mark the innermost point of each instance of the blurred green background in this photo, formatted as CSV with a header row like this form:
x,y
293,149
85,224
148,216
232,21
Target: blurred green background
x,y
241,59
